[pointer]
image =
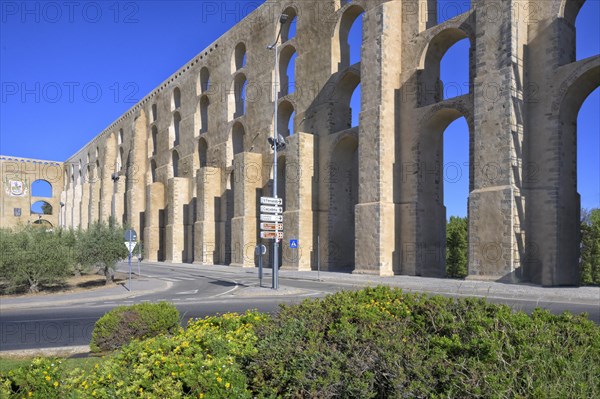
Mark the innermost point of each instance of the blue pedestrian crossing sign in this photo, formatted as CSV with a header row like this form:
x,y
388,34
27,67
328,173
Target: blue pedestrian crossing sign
x,y
293,243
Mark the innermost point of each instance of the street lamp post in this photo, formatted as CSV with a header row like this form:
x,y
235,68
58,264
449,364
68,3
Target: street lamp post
x,y
282,20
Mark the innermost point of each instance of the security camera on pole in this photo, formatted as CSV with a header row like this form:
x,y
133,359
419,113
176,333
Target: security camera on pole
x,y
276,144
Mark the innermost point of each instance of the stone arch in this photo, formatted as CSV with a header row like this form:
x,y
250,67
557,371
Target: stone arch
x,y
341,48
431,193
343,197
41,208
204,105
238,135
238,59
569,9
41,188
154,113
176,99
153,141
340,100
431,88
204,80
238,101
176,129
287,59
288,30
153,176
285,114
43,223
226,214
203,152
175,163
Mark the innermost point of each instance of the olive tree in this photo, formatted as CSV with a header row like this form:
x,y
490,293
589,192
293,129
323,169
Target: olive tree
x,y
101,245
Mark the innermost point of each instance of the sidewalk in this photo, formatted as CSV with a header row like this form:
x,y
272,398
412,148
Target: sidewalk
x,y
140,286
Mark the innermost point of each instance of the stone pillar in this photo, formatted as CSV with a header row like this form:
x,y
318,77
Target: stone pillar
x,y
85,204
244,233
177,194
208,186
299,216
375,212
155,203
118,200
497,126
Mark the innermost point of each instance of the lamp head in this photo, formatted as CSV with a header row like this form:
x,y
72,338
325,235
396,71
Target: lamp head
x,y
283,19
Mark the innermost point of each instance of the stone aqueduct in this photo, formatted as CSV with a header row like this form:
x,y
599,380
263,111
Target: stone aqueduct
x,y
192,157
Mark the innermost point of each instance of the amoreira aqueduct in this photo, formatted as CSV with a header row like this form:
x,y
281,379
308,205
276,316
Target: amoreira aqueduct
x,y
187,165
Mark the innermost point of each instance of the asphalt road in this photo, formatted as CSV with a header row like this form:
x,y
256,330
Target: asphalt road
x,y
195,293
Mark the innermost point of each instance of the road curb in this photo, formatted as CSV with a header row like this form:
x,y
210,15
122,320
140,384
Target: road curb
x,y
49,303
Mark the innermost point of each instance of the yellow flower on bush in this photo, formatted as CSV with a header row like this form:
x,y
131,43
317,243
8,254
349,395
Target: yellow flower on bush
x,y
219,379
227,385
47,378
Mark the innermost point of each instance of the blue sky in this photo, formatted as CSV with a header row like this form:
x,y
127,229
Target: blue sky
x,y
67,72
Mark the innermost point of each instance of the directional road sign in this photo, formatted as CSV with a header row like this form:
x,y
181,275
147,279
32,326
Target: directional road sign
x,y
271,218
271,209
271,226
271,235
271,201
130,235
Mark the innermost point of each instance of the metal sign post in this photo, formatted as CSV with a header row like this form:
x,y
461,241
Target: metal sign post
x,y
130,242
271,209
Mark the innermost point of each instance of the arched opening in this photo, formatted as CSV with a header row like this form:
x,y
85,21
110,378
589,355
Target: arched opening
x,y
343,194
226,214
204,104
120,157
355,106
204,80
288,30
42,223
456,67
176,103
586,27
448,9
203,152
237,135
287,70
175,164
455,182
239,91
588,151
154,140
285,119
350,36
41,188
578,130
346,102
154,113
176,127
153,170
239,57
41,208
445,181
120,137
454,70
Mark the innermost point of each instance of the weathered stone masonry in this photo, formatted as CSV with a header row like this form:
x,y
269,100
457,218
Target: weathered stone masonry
x,y
187,164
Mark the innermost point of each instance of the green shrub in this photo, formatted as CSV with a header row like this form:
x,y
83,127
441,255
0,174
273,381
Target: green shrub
x,y
380,343
124,323
204,361
42,379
